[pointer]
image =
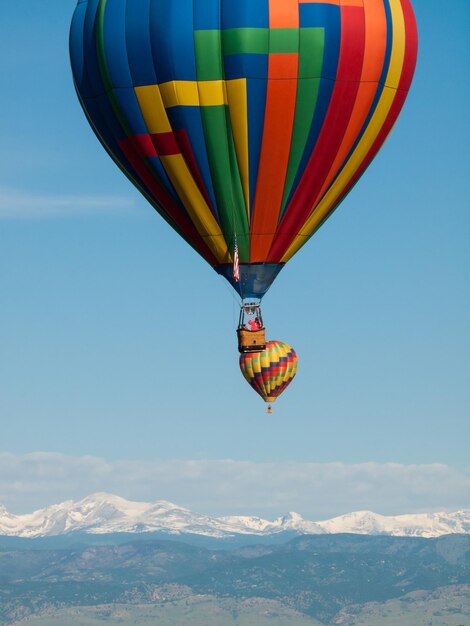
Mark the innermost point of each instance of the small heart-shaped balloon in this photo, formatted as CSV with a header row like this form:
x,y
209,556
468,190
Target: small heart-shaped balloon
x,y
269,372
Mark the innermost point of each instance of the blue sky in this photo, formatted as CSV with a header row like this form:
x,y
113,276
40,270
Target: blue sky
x,y
118,342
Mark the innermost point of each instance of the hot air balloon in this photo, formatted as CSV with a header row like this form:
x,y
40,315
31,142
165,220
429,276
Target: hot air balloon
x,y
244,123
270,371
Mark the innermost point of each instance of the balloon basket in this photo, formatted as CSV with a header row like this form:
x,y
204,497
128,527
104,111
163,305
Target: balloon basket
x,y
251,340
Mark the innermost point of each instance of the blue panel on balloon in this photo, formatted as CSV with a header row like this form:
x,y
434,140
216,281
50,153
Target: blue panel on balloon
x,y
93,84
245,14
171,29
255,279
129,106
114,35
245,66
206,14
139,45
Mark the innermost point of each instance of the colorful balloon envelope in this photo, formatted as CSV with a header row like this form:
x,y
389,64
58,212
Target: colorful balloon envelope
x,y
243,121
271,371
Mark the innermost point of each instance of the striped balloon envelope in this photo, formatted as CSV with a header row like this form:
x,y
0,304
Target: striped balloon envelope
x,y
243,122
271,371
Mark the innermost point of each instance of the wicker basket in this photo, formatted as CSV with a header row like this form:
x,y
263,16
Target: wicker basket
x,y
251,340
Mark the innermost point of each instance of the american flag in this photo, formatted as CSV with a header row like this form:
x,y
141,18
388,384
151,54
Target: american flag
x,y
236,266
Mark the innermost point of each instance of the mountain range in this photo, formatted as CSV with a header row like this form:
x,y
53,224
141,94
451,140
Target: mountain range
x,y
308,580
102,513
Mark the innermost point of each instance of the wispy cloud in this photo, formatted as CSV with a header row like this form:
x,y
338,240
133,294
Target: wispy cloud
x,y
316,490
15,203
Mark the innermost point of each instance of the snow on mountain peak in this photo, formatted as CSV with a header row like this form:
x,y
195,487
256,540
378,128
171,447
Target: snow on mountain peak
x,y
415,525
104,513
357,522
292,518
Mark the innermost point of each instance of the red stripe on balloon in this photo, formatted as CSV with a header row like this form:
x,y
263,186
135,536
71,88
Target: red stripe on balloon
x,y
409,65
144,144
386,129
335,125
166,144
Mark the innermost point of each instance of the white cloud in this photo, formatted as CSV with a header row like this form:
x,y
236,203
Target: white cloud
x,y
15,203
316,490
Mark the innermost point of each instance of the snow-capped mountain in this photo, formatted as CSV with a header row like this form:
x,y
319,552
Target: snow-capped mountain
x,y
418,525
103,513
